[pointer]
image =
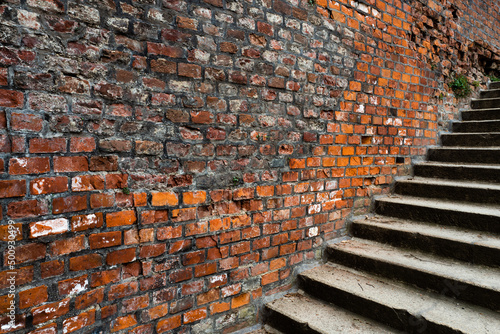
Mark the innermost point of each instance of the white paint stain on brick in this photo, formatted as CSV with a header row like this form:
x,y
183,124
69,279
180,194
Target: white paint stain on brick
x,y
88,220
76,184
38,186
315,208
48,227
312,232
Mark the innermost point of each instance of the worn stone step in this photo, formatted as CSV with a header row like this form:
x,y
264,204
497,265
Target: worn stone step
x,y
483,139
488,94
458,171
477,155
448,241
301,314
402,307
477,126
478,217
485,103
494,85
476,284
467,191
481,114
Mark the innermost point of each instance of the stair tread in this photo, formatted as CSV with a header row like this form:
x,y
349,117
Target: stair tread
x,y
451,183
458,164
476,275
323,317
462,235
486,209
463,317
475,148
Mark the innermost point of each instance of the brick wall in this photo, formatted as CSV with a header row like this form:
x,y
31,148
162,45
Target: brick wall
x,y
166,165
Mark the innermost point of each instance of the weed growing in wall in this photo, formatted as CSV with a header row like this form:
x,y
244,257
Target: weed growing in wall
x,y
460,86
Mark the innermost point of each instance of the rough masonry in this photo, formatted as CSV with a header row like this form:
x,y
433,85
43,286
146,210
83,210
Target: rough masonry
x,y
167,165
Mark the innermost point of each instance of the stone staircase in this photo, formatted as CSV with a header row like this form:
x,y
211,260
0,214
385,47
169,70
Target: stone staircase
x,y
428,259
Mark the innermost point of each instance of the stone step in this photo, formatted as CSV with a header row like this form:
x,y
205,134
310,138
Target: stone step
x,y
456,171
301,314
481,114
477,126
467,191
448,241
478,217
488,94
494,85
476,284
483,139
402,307
485,103
474,155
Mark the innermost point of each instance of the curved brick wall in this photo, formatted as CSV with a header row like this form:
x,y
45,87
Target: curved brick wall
x,y
166,165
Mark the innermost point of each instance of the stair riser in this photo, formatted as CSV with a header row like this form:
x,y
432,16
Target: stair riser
x,y
396,318
471,140
494,85
458,173
472,221
443,247
481,115
446,287
285,324
493,126
485,104
490,94
456,193
469,156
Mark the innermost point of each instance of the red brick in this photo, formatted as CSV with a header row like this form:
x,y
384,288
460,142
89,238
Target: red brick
x,y
50,311
49,185
123,322
27,253
164,198
12,188
120,218
194,315
13,232
105,277
87,183
19,166
194,197
11,98
71,164
67,246
48,227
82,144
102,200
23,276
27,122
119,291
69,204
85,222
116,181
47,145
189,70
103,163
88,299
77,322
85,262
169,324
152,250
33,297
121,256
30,208
72,285
51,268
105,239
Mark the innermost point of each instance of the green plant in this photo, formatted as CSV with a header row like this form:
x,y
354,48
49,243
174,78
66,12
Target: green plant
x,y
476,83
236,180
126,190
460,86
311,2
493,78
